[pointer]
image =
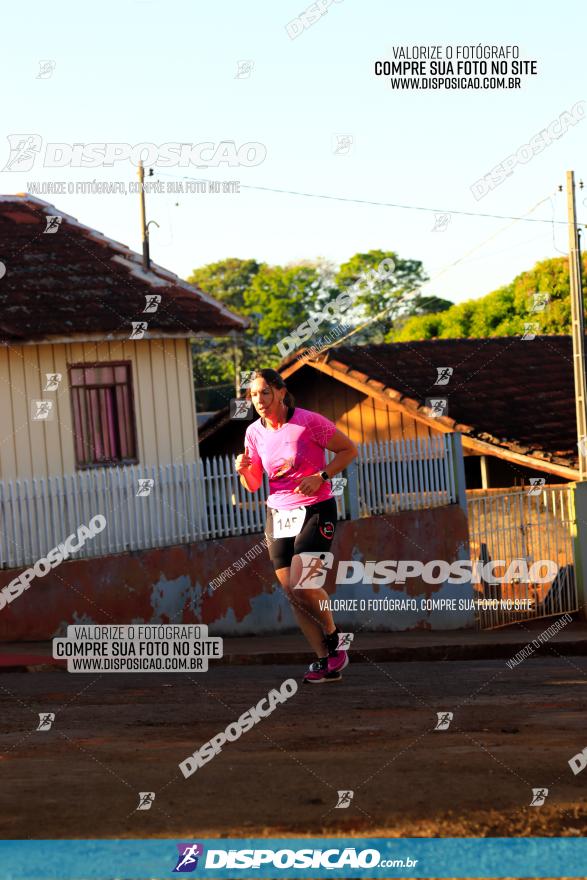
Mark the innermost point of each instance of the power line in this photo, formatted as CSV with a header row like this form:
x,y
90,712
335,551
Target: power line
x,y
486,240
476,247
514,219
399,206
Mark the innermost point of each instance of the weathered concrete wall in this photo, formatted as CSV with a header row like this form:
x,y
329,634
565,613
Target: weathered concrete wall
x,y
172,583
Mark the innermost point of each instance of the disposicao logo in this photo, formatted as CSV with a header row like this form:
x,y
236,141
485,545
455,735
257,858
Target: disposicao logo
x,y
187,860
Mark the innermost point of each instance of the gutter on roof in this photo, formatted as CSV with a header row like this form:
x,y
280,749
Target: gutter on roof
x,y
104,336
539,464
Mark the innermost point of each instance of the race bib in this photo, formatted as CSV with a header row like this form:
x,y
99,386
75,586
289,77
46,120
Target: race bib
x,y
288,523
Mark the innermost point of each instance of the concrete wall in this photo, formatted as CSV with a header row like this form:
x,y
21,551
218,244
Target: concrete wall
x,y
163,393
171,584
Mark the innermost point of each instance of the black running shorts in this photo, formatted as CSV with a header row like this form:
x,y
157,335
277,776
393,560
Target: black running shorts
x,y
315,535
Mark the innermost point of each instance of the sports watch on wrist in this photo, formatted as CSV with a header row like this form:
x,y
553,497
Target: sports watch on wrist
x,y
324,476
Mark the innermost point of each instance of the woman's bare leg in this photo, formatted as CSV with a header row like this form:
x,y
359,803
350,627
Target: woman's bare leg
x,y
312,625
311,599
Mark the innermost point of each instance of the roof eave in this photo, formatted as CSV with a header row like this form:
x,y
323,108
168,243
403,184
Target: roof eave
x,y
413,408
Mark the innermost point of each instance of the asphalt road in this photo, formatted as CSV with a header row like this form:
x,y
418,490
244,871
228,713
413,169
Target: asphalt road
x,y
373,733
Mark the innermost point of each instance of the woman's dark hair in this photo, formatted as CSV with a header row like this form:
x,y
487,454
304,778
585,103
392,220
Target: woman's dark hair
x,y
273,378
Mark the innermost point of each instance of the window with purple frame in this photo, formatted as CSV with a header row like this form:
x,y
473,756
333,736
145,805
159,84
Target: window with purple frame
x,y
103,413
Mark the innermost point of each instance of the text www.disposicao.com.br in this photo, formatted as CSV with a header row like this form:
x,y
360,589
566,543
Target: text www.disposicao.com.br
x,y
135,664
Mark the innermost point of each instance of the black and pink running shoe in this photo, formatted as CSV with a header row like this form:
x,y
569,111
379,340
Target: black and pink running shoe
x,y
318,673
337,661
327,669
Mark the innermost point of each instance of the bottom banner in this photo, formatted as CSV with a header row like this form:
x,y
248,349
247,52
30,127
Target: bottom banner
x,y
306,858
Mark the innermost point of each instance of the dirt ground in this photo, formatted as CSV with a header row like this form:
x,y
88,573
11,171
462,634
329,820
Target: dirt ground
x,y
373,733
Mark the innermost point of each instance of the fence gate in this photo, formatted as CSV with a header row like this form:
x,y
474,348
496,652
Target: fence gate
x,y
524,526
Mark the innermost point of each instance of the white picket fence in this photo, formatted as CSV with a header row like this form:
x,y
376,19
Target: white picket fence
x,y
185,503
406,474
38,514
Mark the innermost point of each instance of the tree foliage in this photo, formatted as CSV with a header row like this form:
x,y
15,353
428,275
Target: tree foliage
x,y
215,359
505,311
381,281
227,280
276,299
279,298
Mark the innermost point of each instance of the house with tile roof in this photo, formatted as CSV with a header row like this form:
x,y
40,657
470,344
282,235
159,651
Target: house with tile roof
x,y
95,355
511,399
96,389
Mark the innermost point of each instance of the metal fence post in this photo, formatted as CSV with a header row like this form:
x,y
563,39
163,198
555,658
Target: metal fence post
x,y
463,554
579,533
458,463
352,490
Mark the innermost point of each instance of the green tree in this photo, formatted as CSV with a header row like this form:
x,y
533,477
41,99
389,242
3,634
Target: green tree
x,y
281,297
505,311
215,358
382,281
419,327
427,305
227,280
418,305
276,299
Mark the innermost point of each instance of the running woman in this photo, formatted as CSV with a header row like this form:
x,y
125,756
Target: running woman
x,y
289,443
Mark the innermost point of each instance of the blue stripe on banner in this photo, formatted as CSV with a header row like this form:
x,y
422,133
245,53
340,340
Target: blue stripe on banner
x,y
316,858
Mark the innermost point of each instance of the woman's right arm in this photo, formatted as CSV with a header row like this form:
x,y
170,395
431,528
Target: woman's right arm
x,y
249,471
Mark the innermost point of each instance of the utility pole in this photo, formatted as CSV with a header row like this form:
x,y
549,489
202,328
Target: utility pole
x,y
144,227
236,357
577,322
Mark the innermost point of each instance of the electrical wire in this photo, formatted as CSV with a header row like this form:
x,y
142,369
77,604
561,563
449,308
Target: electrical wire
x,y
442,271
399,206
525,218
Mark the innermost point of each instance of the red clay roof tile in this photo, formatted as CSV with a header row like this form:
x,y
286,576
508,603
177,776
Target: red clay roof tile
x,y
77,281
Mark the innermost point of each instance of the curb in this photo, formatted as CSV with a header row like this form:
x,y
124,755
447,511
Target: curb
x,y
407,655
403,654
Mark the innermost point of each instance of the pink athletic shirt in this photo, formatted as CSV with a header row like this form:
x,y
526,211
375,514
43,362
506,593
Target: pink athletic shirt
x,y
294,451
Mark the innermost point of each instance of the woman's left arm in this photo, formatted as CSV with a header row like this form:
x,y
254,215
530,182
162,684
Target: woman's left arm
x,y
345,451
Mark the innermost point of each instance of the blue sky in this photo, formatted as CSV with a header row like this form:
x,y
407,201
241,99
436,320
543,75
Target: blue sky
x,y
149,71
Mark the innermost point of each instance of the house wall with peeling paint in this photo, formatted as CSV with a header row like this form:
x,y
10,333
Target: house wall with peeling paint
x,y
172,584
